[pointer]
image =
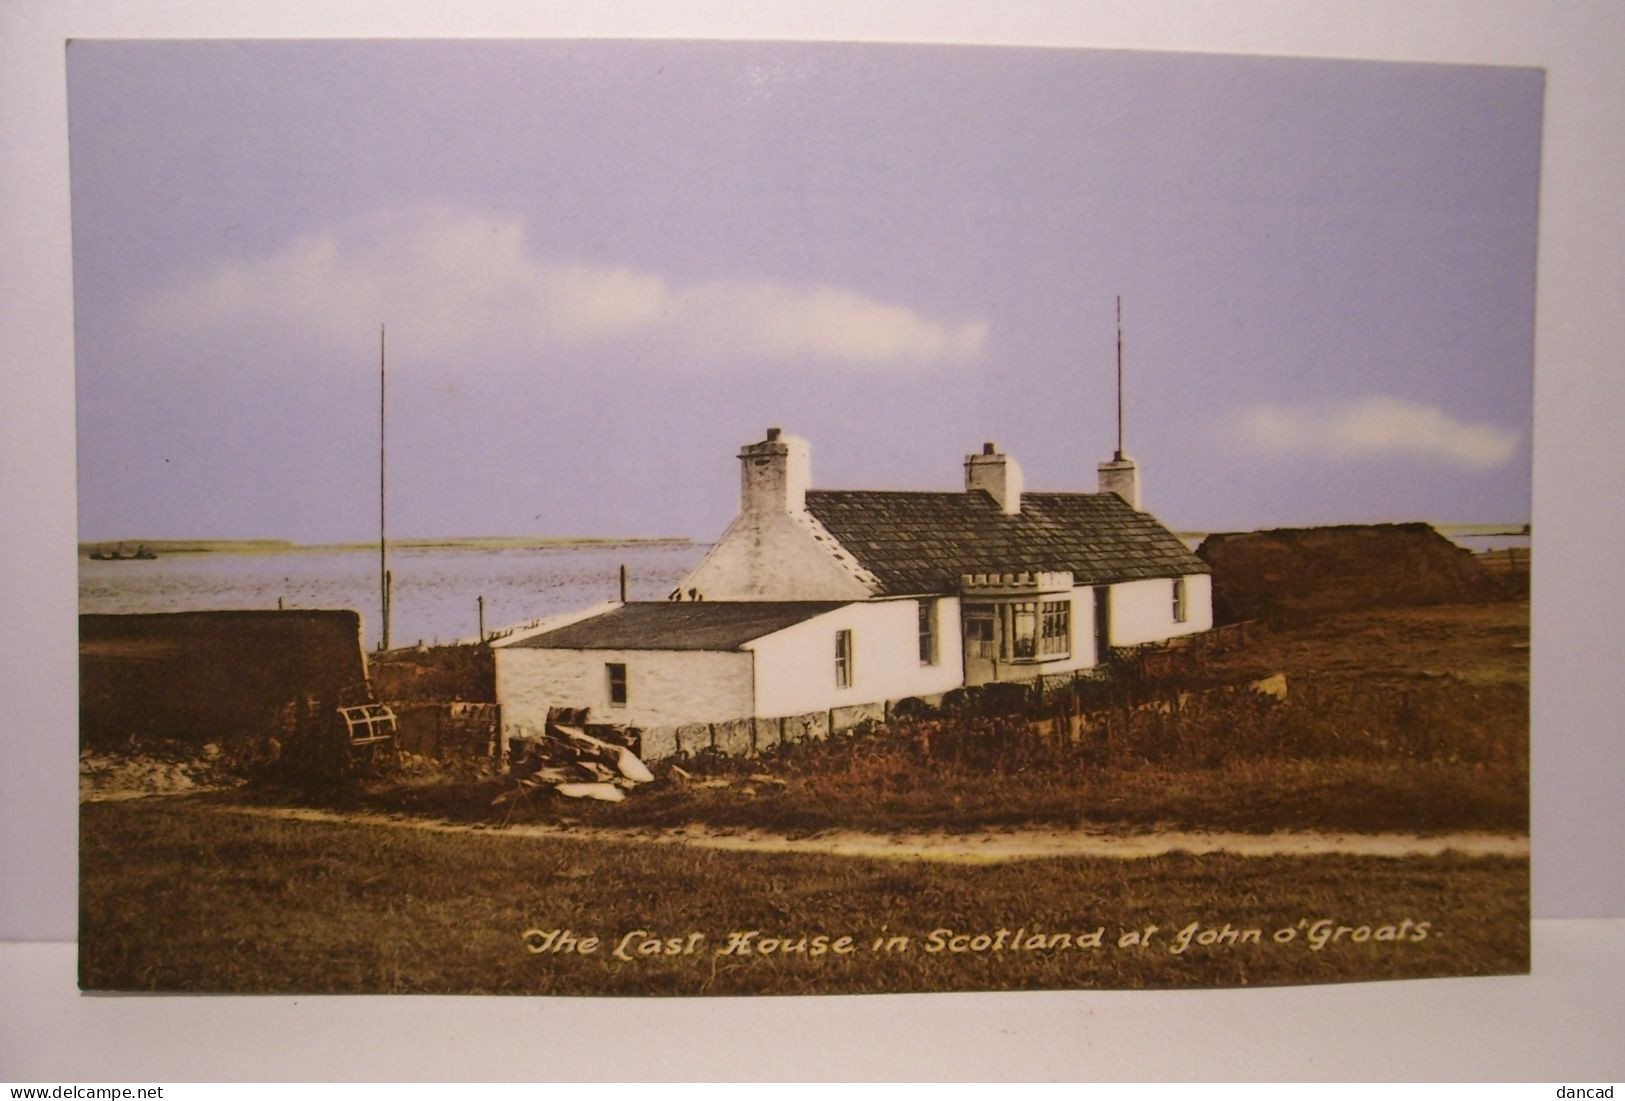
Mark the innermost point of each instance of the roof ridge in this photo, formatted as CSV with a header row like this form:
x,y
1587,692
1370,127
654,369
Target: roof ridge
x,y
1025,493
908,492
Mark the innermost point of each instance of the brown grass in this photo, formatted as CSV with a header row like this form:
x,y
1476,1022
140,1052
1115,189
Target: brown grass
x,y
176,895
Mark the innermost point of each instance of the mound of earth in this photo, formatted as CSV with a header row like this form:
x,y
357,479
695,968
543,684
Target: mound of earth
x,y
1291,574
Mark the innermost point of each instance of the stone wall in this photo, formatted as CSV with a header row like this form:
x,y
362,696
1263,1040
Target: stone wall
x,y
746,737
448,730
663,688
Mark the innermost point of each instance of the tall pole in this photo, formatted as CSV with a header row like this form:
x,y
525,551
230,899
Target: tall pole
x,y
383,553
1119,455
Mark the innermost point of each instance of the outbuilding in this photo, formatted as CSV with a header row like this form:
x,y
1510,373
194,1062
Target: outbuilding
x,y
667,664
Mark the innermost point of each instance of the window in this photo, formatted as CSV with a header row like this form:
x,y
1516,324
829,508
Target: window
x,y
1023,623
928,632
617,683
1055,638
1040,630
1179,600
843,659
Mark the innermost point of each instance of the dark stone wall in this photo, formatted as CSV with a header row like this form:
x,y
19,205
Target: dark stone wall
x,y
436,673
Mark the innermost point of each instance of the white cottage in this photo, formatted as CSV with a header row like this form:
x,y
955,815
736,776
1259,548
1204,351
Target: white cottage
x,y
817,600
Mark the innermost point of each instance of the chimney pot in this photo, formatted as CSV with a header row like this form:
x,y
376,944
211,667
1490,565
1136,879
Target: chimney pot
x,y
989,448
772,433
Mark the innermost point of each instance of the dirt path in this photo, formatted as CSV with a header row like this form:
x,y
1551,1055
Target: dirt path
x,y
973,848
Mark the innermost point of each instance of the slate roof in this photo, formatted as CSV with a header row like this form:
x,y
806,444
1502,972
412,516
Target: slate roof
x,y
922,542
679,625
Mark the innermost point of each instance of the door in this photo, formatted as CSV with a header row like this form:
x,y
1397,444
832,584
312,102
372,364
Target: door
x,y
981,647
1103,623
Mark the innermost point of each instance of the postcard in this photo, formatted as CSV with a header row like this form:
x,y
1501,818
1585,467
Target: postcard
x,y
679,517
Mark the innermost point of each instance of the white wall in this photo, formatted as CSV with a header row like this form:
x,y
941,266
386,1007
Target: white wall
x,y
795,667
1143,611
663,687
777,556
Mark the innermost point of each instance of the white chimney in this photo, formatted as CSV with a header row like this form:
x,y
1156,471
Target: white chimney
x,y
1122,477
774,475
998,474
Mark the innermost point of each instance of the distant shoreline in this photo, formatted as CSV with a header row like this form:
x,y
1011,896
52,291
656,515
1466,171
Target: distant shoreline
x,y
545,542
1450,531
473,542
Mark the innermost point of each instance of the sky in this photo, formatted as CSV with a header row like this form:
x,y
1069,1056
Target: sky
x,y
604,266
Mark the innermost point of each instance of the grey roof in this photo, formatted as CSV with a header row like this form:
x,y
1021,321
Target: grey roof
x,y
923,542
679,625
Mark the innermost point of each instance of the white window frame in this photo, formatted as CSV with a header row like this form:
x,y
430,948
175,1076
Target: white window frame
x,y
928,632
1057,644
844,667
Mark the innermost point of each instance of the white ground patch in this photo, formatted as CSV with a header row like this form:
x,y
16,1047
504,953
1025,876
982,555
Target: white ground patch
x,y
112,777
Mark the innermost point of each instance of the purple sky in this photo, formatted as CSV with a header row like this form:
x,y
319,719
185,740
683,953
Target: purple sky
x,y
606,265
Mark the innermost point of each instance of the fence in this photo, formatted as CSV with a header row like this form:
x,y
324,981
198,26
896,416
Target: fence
x,y
1086,688
446,731
748,736
1187,652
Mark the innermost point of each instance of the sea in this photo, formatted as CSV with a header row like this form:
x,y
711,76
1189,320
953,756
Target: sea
x,y
435,590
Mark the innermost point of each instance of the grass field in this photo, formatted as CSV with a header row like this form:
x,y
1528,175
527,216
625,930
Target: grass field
x,y
1409,719
177,894
1397,649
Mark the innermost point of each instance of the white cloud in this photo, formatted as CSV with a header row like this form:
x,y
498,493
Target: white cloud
x,y
455,278
1378,426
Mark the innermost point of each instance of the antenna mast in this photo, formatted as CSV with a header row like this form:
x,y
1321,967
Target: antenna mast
x,y
1119,455
383,553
